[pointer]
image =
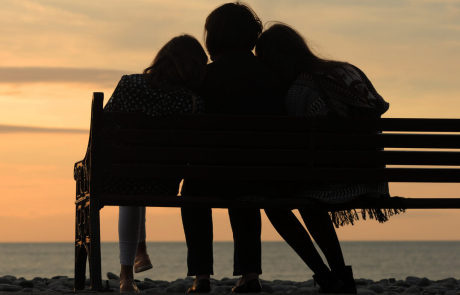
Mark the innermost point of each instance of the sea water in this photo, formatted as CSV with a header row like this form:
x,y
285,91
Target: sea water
x,y
370,260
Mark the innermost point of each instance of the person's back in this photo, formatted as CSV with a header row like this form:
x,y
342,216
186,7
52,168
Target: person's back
x,y
166,87
322,88
239,83
236,83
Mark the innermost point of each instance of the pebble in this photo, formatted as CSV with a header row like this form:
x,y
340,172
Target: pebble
x,y
306,284
112,276
279,287
218,289
177,288
365,292
267,288
4,280
114,284
423,282
402,284
448,286
12,288
26,284
412,290
12,278
376,288
391,286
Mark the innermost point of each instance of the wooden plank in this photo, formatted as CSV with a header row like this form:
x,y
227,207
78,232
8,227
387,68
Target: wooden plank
x,y
283,140
289,124
289,203
284,173
287,157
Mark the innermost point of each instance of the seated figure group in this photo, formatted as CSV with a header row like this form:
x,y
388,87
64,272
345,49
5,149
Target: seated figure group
x,y
283,78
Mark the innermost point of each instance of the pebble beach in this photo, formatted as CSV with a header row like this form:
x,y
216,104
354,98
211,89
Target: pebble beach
x,y
390,286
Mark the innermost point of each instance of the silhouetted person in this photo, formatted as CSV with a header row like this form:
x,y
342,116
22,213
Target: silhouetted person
x,y
164,88
236,83
322,88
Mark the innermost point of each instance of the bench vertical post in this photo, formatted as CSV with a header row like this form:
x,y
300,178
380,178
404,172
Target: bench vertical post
x,y
80,248
93,204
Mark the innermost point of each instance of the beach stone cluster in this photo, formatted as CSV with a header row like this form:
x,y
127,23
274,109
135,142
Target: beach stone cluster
x,y
411,285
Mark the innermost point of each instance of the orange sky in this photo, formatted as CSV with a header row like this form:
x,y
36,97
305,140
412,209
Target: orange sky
x,y
54,54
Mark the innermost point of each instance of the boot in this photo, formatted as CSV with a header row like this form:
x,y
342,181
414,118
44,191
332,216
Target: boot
x,y
328,282
345,274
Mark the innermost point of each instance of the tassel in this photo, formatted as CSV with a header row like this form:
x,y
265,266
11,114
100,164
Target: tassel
x,y
345,217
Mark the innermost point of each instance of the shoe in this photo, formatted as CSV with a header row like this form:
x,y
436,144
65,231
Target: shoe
x,y
252,286
345,274
128,286
328,282
142,263
202,286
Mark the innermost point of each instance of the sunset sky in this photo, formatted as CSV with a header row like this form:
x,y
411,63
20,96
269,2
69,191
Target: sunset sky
x,y
55,53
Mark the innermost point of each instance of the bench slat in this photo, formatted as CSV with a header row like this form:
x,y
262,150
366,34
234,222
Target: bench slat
x,y
289,157
215,202
295,140
283,174
262,123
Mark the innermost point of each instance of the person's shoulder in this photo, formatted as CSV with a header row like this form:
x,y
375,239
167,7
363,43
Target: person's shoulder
x,y
133,79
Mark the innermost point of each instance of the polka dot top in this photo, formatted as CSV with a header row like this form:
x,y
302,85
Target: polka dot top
x,y
134,94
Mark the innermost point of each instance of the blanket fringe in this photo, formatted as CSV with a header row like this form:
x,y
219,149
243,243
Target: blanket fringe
x,y
345,217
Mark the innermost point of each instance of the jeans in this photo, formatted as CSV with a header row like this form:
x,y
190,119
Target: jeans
x,y
246,227
131,230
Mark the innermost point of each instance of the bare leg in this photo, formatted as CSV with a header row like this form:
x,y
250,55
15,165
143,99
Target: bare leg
x,y
320,226
129,225
293,232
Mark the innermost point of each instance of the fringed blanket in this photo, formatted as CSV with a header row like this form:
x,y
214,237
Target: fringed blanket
x,y
343,91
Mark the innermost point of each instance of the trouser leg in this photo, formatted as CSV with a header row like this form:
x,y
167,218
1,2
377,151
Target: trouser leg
x,y
246,227
320,226
142,232
198,231
129,225
293,232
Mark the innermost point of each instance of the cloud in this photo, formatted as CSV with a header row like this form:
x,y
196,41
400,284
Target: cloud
x,y
28,129
10,75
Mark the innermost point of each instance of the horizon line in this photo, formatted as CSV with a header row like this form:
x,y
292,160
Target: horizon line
x,y
230,241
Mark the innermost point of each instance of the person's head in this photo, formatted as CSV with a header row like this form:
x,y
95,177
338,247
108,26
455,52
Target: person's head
x,y
180,62
288,52
232,26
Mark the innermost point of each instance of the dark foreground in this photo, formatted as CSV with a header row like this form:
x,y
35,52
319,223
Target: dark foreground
x,y
411,285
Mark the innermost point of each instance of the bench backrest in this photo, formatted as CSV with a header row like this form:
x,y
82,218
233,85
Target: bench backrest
x,y
272,148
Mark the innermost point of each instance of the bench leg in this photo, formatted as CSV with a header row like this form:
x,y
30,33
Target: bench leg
x,y
95,247
80,249
88,246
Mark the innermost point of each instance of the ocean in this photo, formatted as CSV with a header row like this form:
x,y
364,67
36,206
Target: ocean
x,y
370,260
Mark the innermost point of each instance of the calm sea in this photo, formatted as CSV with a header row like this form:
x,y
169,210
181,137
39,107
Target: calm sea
x,y
371,260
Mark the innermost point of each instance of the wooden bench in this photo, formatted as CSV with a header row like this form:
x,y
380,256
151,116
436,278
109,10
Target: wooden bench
x,y
125,145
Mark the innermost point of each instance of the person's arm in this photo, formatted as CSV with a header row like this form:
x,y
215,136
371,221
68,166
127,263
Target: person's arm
x,y
303,99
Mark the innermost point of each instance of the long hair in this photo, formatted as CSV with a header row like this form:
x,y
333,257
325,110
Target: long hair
x,y
180,62
288,52
231,26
